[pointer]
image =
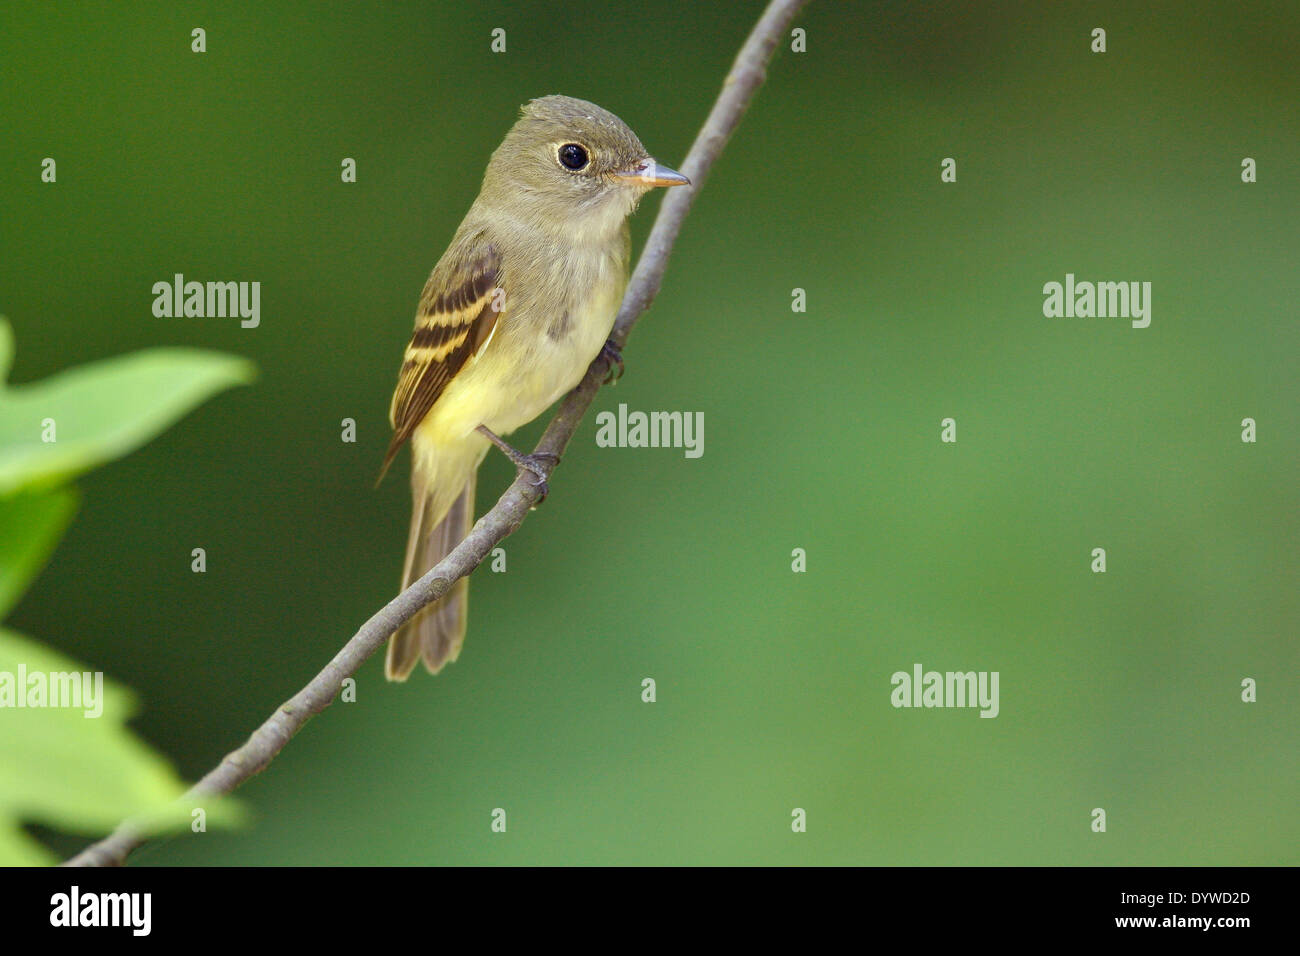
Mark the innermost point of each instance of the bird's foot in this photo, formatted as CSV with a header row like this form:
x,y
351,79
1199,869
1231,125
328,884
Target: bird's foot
x,y
539,464
614,355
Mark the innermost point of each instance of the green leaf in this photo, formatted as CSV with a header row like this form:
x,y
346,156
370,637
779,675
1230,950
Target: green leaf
x,y
71,762
31,524
68,769
96,413
19,849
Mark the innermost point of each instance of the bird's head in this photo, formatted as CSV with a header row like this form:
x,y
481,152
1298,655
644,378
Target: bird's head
x,y
567,160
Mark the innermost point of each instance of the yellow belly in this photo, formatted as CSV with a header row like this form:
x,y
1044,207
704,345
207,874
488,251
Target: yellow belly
x,y
517,376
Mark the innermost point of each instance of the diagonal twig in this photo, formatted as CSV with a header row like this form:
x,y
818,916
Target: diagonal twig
x,y
745,77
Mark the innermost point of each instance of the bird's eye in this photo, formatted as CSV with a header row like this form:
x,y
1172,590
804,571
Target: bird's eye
x,y
573,156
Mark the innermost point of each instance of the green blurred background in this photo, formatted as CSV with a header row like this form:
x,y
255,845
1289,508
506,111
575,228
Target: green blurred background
x,y
1119,691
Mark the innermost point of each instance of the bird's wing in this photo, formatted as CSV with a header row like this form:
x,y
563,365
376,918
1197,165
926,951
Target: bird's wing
x,y
458,313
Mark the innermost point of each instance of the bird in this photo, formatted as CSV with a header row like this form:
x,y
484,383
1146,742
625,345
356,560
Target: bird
x,y
513,314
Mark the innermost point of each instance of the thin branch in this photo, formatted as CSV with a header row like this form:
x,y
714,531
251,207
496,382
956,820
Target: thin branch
x,y
746,76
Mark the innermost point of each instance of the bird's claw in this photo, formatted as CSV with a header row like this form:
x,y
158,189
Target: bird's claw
x,y
614,355
539,465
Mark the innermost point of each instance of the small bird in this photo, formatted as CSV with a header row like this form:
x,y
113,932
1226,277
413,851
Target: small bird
x,y
514,313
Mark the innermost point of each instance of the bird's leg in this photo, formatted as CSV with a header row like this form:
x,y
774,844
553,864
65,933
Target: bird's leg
x,y
539,465
614,354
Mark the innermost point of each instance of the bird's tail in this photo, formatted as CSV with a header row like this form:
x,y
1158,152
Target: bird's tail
x,y
438,631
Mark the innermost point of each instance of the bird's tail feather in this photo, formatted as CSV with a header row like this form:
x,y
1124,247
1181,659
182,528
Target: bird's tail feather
x,y
438,631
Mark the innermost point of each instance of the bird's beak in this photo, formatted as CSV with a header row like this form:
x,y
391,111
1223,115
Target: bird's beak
x,y
648,173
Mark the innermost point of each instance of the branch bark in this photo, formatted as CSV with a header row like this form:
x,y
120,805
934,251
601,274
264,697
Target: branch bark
x,y
745,77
